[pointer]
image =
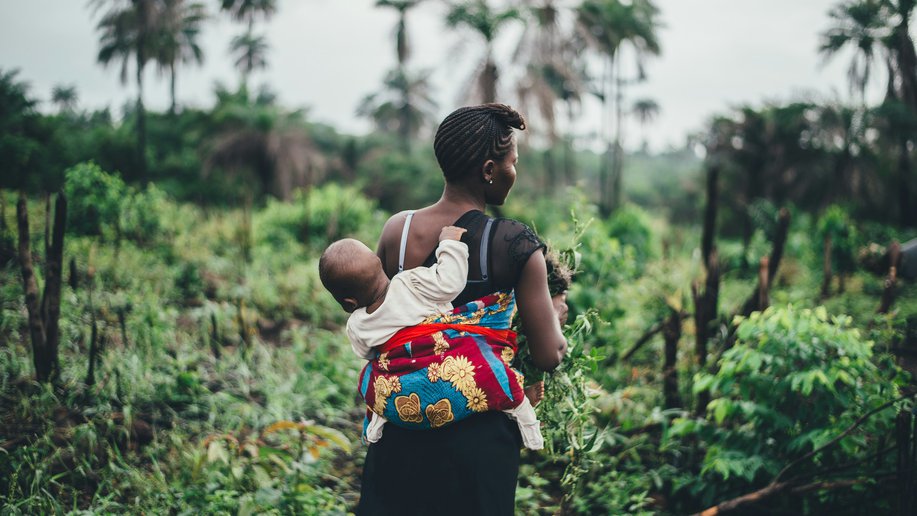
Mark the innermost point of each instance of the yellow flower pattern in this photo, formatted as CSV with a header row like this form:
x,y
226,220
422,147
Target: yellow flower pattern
x,y
460,371
433,372
441,345
507,355
408,408
477,400
384,387
440,413
383,361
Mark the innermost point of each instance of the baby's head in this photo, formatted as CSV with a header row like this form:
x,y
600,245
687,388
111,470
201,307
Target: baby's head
x,y
352,273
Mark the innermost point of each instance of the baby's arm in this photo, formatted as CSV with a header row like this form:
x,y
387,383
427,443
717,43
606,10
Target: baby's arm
x,y
446,279
362,348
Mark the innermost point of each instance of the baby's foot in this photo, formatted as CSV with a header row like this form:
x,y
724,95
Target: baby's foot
x,y
535,393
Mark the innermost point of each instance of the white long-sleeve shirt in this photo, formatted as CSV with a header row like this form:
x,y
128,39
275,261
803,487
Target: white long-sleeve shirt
x,y
413,296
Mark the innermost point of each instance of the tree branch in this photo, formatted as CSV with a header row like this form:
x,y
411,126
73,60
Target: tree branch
x,y
840,436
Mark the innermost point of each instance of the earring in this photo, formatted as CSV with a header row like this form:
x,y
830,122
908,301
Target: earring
x,y
490,182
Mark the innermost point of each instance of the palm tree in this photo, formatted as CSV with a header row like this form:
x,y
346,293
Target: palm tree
x,y
646,110
478,16
607,25
402,49
553,72
262,144
65,97
856,24
249,10
413,105
178,38
405,105
250,50
901,49
127,30
251,54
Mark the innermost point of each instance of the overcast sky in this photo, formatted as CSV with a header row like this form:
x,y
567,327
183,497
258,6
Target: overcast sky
x,y
326,55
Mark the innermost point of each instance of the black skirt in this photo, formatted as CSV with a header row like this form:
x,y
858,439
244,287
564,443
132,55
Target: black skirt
x,y
467,468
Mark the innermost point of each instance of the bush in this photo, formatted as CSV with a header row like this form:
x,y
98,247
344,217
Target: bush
x,y
94,200
835,224
794,380
140,212
630,225
318,217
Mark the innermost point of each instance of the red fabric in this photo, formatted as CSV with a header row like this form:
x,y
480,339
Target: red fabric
x,y
422,330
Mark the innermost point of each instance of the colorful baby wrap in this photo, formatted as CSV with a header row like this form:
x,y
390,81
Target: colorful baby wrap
x,y
448,367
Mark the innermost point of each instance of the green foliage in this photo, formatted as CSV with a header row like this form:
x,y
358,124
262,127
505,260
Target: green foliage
x,y
316,218
835,224
630,226
399,180
95,200
140,214
794,380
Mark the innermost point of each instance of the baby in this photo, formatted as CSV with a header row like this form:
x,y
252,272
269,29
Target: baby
x,y
379,308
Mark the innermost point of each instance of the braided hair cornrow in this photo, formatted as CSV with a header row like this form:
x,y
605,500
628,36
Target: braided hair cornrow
x,y
471,135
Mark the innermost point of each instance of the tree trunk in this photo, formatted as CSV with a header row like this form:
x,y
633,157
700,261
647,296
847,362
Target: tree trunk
x,y
783,231
569,158
404,113
172,106
826,266
671,332
891,281
141,119
763,284
906,217
605,165
50,303
43,367
706,306
489,81
709,231
618,163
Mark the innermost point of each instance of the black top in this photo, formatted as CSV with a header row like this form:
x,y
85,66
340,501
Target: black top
x,y
510,246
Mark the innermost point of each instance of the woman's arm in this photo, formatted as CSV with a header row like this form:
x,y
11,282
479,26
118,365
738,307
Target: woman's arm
x,y
538,315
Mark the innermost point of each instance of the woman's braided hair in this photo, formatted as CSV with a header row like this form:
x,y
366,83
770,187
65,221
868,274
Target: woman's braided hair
x,y
471,135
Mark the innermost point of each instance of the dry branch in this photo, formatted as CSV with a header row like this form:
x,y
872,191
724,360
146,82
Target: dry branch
x,y
775,489
30,287
840,436
647,335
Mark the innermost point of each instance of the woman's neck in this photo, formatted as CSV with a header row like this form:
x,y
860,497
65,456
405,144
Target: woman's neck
x,y
460,198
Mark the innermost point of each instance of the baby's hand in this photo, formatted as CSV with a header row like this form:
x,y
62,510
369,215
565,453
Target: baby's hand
x,y
451,233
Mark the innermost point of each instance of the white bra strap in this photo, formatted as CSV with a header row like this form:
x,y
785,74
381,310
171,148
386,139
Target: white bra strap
x,y
404,239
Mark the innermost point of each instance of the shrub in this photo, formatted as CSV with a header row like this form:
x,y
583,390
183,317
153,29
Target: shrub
x,y
318,217
140,214
94,198
630,225
794,380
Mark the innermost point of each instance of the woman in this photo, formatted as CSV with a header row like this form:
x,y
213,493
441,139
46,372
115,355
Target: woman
x,y
471,466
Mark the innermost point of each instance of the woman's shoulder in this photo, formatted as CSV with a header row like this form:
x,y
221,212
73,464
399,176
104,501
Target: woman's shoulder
x,y
391,230
515,240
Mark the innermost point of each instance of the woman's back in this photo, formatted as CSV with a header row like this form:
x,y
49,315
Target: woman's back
x,y
497,250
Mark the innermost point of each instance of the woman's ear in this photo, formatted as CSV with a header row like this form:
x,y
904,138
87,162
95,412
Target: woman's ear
x,y
487,171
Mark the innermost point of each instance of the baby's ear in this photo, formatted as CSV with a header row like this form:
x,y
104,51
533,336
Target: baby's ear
x,y
349,304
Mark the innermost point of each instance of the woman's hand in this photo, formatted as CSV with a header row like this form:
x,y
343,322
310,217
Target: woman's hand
x,y
560,307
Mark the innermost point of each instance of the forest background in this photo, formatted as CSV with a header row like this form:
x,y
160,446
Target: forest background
x,y
743,314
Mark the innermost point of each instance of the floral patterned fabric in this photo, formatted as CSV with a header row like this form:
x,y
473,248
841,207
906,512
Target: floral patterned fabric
x,y
440,376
